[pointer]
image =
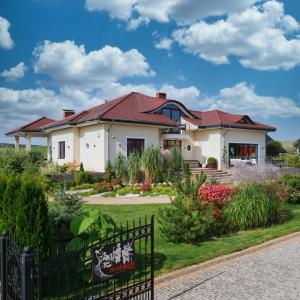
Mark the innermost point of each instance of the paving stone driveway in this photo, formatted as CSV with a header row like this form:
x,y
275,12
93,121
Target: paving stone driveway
x,y
272,274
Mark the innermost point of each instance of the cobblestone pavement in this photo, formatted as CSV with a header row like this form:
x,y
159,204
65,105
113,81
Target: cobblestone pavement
x,y
272,274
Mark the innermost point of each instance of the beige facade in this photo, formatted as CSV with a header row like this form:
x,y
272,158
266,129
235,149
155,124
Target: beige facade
x,y
95,144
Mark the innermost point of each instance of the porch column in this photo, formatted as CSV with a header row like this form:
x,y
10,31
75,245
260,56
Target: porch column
x,y
49,148
17,143
28,143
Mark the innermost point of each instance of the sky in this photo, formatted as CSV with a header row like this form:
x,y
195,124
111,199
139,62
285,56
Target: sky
x,y
237,56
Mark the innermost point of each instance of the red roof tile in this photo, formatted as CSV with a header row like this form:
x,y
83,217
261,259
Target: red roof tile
x,y
138,108
35,126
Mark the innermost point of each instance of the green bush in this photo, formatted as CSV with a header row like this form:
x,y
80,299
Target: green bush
x,y
161,189
292,161
32,227
212,160
134,167
122,191
108,172
120,168
83,186
254,205
82,177
151,162
293,184
175,159
65,207
185,223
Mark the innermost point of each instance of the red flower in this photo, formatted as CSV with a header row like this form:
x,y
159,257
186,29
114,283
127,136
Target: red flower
x,y
145,187
215,196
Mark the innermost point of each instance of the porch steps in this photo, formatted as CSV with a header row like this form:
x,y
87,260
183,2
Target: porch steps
x,y
219,175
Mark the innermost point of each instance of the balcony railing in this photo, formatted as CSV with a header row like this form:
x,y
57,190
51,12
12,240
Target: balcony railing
x,y
180,129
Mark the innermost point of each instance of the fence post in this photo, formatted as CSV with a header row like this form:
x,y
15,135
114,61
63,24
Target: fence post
x,y
26,274
3,263
152,257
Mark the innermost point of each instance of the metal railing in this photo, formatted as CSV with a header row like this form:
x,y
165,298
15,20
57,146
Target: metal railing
x,y
180,129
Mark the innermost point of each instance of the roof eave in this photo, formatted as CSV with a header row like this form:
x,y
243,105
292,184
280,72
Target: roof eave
x,y
236,127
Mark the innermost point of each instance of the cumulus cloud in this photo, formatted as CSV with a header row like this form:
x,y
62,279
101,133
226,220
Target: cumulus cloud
x,y
70,65
257,36
243,99
6,41
164,43
137,12
14,73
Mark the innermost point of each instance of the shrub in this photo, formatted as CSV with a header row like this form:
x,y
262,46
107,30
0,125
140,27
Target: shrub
x,y
134,167
185,223
32,228
13,162
161,189
293,184
83,186
151,163
129,189
292,161
108,172
120,168
104,186
175,159
82,177
81,169
65,207
216,196
9,205
212,160
146,186
274,148
254,205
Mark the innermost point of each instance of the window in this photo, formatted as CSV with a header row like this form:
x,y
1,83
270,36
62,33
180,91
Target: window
x,y
172,112
61,150
168,144
135,145
243,151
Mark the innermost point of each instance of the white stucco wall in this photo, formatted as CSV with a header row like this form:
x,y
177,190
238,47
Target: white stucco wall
x,y
70,136
207,143
247,137
92,147
118,134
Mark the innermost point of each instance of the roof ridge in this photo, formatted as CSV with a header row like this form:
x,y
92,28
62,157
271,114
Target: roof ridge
x,y
43,117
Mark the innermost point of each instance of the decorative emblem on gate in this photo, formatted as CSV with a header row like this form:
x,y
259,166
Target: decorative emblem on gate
x,y
109,260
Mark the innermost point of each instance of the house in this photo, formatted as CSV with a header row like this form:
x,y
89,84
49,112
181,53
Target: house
x,y
136,121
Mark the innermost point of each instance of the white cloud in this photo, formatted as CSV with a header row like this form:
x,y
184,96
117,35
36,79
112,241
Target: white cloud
x,y
164,43
181,11
14,73
243,99
257,36
6,41
70,65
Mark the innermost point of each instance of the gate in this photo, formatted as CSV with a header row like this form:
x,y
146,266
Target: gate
x,y
119,265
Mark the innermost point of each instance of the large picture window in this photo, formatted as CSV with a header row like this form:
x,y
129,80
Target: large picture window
x,y
61,150
135,145
243,151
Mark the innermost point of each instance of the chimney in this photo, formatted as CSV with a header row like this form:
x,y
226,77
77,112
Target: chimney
x,y
68,112
161,95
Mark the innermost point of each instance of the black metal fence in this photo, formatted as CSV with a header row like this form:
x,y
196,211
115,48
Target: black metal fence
x,y
118,265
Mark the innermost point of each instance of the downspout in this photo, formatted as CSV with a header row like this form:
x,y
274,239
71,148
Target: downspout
x,y
108,130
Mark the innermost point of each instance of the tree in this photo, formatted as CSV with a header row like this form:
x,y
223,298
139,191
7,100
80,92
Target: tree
x,y
274,148
32,226
296,144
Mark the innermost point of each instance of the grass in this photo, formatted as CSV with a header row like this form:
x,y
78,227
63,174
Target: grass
x,y
34,148
170,256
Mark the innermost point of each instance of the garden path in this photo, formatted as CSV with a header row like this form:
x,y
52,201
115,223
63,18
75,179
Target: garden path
x,y
267,271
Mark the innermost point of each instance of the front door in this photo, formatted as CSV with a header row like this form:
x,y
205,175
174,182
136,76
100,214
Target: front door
x,y
135,145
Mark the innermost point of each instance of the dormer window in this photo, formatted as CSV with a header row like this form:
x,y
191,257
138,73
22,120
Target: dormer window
x,y
172,112
245,120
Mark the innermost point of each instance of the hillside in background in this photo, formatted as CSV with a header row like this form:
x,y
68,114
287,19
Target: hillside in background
x,y
35,148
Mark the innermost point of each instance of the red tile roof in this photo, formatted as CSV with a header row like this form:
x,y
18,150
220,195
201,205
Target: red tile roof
x,y
138,108
35,126
220,118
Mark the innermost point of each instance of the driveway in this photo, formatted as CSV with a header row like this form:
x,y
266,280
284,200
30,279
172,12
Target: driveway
x,y
268,271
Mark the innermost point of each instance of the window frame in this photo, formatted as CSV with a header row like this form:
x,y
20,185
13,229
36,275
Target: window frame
x,y
61,149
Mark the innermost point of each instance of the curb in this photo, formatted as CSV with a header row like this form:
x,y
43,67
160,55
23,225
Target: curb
x,y
169,278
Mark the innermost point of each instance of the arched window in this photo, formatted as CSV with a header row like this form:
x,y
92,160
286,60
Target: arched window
x,y
171,111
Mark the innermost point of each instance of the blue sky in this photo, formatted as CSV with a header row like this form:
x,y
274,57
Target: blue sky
x,y
237,56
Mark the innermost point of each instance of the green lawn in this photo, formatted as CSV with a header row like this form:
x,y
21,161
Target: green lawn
x,y
170,256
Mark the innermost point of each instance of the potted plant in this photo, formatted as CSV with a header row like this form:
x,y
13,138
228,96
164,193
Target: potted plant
x,y
212,163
